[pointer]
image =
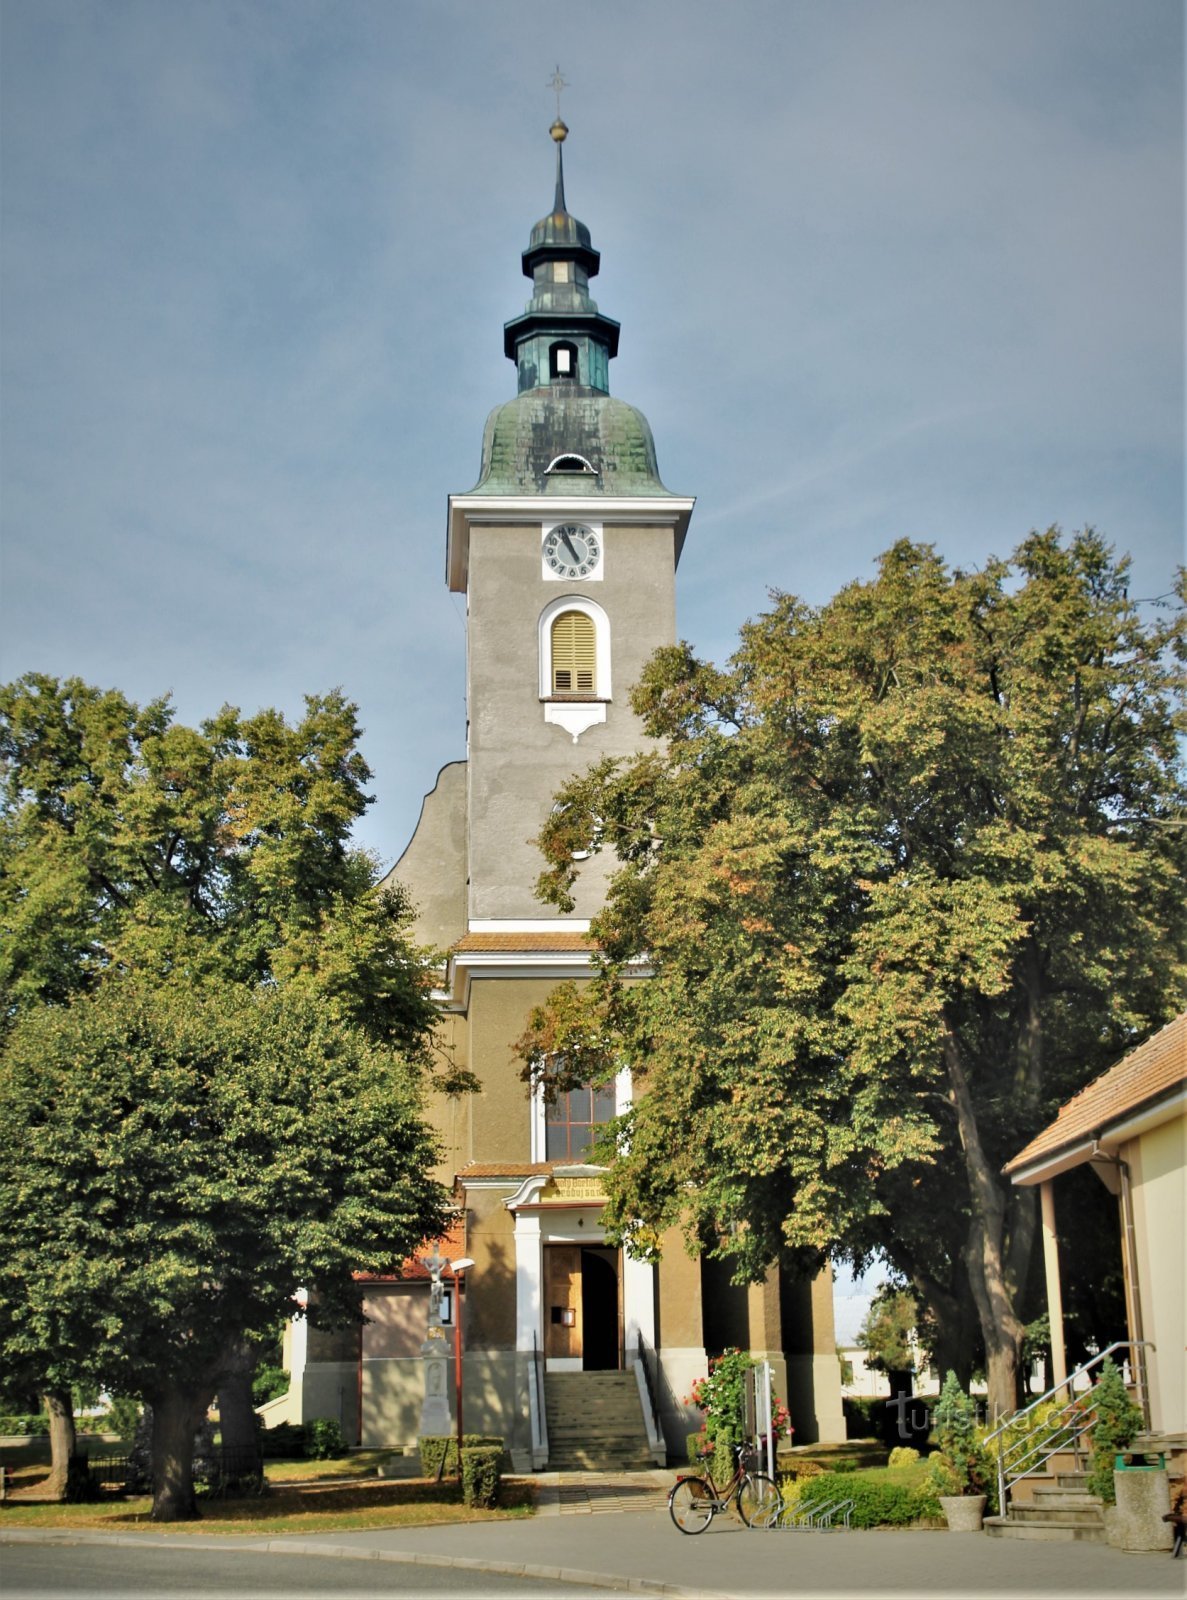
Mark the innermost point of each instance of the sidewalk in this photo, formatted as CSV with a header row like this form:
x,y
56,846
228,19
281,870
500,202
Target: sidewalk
x,y
584,1534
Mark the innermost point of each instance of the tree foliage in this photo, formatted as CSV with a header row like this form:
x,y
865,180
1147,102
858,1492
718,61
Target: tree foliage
x,y
887,1331
215,1032
904,875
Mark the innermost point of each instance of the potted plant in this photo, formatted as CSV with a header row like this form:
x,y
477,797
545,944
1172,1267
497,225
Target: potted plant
x,y
959,1470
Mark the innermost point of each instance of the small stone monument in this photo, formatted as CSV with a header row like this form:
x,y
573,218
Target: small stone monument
x,y
434,1411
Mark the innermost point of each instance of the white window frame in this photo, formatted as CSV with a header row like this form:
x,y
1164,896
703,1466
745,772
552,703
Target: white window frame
x,y
623,1093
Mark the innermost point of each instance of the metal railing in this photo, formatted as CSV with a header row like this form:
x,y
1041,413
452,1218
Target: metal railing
x,y
1036,1439
641,1359
538,1383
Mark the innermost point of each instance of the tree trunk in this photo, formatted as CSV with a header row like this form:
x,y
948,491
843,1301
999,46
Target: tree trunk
x,y
176,1413
992,1255
63,1443
238,1423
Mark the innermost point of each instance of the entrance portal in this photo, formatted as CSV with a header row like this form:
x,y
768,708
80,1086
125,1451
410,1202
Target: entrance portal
x,y
582,1308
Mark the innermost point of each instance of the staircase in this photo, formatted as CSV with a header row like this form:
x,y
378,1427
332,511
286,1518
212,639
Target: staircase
x,y
1062,1510
595,1422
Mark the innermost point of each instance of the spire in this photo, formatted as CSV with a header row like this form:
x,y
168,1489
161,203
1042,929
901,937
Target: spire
x,y
559,132
562,339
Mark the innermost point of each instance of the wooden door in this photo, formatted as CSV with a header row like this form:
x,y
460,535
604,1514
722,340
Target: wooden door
x,y
562,1301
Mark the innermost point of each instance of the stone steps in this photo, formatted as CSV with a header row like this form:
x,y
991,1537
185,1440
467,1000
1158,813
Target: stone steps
x,y
1063,1510
595,1422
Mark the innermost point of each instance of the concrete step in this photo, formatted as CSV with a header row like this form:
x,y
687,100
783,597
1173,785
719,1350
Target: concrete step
x,y
599,1461
1064,1500
595,1422
1050,1532
1082,1516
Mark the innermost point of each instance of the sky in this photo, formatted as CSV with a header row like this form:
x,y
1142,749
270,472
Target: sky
x,y
884,268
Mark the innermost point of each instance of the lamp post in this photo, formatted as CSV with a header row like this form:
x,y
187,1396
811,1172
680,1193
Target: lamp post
x,y
458,1268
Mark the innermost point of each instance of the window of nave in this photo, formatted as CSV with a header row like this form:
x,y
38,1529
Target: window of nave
x,y
563,1129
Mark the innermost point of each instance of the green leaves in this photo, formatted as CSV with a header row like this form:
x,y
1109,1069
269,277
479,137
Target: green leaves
x,y
181,1160
931,830
217,1028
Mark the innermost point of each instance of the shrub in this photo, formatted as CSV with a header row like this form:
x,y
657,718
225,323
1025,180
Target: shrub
x,y
432,1444
481,1466
286,1440
24,1423
722,1397
324,1439
878,1501
1117,1422
269,1383
121,1416
962,1466
902,1456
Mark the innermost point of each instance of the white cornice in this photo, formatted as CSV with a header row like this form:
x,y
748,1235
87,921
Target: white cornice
x,y
556,966
464,509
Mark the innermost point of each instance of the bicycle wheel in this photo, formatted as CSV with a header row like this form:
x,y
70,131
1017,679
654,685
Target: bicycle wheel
x,y
691,1505
759,1500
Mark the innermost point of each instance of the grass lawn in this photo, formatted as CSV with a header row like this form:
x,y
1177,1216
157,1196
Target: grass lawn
x,y
359,1464
325,1508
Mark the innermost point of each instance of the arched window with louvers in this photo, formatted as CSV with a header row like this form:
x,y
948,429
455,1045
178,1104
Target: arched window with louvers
x,y
574,653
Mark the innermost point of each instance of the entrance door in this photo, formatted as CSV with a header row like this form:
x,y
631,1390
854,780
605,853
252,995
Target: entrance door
x,y
599,1300
582,1315
562,1304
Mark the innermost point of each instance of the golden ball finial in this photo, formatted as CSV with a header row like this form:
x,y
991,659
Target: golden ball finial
x,y
559,131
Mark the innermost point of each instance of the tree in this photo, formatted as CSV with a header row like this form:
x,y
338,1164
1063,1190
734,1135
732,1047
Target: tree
x,y
130,844
905,875
887,1333
182,1155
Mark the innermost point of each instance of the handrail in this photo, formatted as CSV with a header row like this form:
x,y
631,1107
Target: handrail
x,y
641,1358
541,1414
1061,1431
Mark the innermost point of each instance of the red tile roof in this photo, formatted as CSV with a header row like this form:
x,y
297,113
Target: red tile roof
x,y
504,1169
562,939
452,1245
1144,1075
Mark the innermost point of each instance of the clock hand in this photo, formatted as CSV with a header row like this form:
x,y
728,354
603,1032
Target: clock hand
x,y
568,543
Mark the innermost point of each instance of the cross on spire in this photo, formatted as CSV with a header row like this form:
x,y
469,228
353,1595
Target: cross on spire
x,y
556,83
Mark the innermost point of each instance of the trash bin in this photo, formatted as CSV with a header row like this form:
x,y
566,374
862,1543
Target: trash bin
x,y
1143,1500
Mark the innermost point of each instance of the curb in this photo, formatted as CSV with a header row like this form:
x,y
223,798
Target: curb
x,y
417,1558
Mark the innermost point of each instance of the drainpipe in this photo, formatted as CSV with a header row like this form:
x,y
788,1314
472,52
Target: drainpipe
x,y
1054,1289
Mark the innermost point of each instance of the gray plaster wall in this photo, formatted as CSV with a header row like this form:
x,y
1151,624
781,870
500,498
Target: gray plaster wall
x,y
433,867
517,760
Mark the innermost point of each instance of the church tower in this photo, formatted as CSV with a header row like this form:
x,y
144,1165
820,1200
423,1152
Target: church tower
x,y
566,551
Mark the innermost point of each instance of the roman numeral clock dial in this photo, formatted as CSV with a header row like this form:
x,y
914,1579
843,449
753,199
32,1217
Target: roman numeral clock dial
x,y
572,550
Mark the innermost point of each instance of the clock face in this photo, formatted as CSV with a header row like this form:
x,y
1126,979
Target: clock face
x,y
572,550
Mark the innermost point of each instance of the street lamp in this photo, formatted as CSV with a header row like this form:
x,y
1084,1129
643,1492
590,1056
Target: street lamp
x,y
458,1268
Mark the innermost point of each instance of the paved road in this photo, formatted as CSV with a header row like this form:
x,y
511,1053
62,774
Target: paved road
x,y
574,1556
38,1571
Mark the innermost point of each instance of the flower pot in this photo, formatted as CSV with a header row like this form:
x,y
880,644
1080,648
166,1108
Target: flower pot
x,y
964,1512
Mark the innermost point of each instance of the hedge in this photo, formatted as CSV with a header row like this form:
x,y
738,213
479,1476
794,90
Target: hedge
x,y
324,1440
880,1499
481,1466
432,1444
24,1423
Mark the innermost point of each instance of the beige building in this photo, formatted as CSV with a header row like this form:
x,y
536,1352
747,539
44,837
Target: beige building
x,y
566,551
1130,1126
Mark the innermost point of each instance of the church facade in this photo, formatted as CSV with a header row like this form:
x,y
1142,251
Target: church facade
x,y
566,552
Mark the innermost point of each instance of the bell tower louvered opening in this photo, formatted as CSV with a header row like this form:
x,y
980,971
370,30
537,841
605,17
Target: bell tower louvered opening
x,y
574,654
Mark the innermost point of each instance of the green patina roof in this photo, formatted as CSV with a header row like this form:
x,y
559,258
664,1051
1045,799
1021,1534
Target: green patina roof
x,y
525,435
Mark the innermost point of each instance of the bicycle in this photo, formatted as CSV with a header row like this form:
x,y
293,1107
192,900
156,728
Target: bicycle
x,y
695,1501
